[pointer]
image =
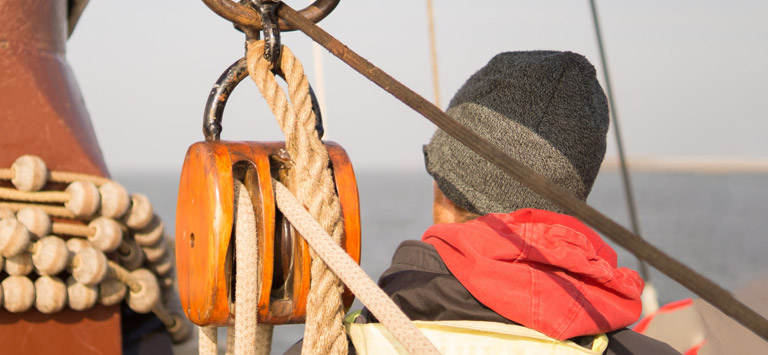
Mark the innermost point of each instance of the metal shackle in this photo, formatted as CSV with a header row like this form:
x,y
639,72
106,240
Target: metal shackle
x,y
217,100
244,15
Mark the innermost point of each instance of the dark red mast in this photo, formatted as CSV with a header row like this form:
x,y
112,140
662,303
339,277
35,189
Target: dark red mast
x,y
42,112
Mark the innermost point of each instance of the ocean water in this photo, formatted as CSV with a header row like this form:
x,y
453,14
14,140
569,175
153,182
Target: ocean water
x,y
716,223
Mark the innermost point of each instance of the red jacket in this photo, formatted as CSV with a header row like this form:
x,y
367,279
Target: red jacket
x,y
544,270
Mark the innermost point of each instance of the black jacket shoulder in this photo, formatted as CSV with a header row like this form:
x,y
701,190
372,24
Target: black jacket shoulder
x,y
422,286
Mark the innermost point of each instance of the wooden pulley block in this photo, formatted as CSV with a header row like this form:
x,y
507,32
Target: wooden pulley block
x,y
205,214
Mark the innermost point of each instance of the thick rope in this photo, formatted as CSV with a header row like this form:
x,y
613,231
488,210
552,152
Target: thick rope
x,y
314,187
206,343
246,337
700,285
246,279
231,334
264,339
353,276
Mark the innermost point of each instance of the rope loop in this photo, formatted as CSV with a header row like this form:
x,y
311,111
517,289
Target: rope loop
x,y
312,182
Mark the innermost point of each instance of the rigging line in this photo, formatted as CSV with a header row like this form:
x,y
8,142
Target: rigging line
x,y
697,283
319,76
631,206
317,66
433,51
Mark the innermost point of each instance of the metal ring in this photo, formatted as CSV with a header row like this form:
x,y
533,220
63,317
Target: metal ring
x,y
267,11
245,16
217,100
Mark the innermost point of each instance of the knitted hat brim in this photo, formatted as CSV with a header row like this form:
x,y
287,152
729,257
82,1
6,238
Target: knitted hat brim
x,y
454,167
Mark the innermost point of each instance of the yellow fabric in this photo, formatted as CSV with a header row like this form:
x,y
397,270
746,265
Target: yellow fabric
x,y
468,337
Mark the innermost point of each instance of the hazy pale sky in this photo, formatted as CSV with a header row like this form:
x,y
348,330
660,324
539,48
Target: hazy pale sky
x,y
690,77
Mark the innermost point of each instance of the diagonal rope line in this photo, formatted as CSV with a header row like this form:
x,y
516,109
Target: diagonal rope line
x,y
246,280
313,183
353,276
697,283
206,344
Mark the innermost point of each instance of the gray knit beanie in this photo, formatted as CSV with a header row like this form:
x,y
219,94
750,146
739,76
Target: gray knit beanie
x,y
544,108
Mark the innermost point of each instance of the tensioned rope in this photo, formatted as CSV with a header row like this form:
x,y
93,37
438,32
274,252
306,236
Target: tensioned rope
x,y
386,311
206,343
703,287
321,230
700,285
311,179
650,296
246,336
433,51
241,338
250,338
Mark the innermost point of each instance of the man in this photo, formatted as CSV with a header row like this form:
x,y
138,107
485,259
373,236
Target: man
x,y
500,253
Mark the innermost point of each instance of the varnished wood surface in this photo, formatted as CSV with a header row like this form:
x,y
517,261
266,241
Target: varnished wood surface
x,y
258,182
204,216
350,207
205,208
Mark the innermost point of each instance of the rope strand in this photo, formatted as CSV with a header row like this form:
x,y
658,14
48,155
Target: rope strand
x,y
67,177
53,211
650,300
354,277
207,340
116,271
6,174
61,176
311,178
246,283
433,52
74,230
34,209
42,196
697,283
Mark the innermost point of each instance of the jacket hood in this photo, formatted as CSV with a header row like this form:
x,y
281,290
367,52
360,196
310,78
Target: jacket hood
x,y
544,270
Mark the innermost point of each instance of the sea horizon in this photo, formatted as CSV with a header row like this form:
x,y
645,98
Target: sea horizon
x,y
711,221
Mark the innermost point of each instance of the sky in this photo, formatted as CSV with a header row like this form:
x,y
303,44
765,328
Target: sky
x,y
690,77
